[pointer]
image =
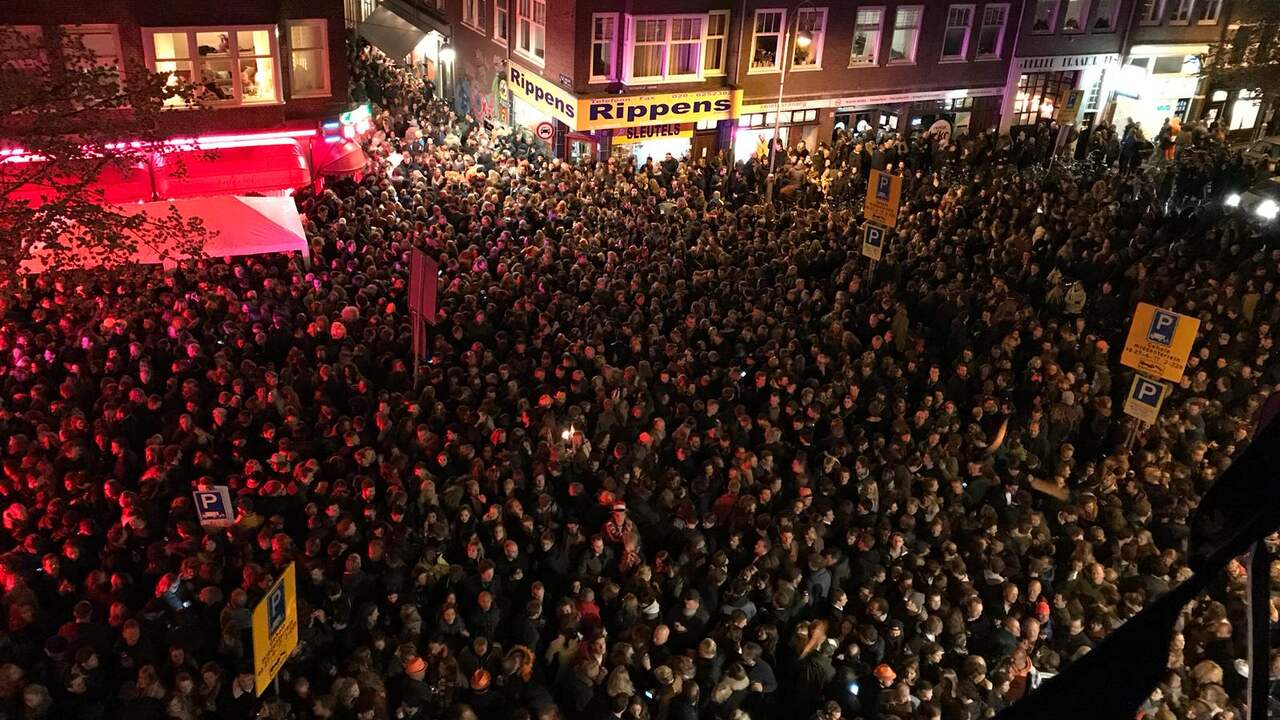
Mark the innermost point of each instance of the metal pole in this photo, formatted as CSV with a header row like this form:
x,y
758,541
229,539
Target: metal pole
x,y
417,329
1259,630
777,110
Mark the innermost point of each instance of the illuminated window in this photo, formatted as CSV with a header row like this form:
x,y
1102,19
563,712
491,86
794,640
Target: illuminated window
x,y
866,36
1150,12
716,46
991,36
812,23
1181,14
906,34
766,40
666,47
308,58
230,66
955,39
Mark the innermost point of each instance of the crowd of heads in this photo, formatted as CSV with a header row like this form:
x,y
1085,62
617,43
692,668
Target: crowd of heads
x,y
672,453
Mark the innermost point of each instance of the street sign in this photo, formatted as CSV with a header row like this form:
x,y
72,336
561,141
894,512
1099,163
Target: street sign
x,y
884,195
1144,398
1159,342
214,508
275,629
545,131
872,241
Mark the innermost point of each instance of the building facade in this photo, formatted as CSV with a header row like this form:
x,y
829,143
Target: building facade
x,y
270,75
556,66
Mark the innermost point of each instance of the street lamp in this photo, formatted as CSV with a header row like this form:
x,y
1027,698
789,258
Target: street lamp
x,y
803,41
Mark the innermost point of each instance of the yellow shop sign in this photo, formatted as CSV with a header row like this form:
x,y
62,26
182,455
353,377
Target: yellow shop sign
x,y
625,111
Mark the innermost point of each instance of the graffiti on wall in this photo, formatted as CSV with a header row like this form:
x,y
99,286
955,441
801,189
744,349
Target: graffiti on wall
x,y
482,88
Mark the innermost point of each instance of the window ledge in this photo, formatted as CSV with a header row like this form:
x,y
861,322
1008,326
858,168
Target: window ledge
x,y
540,62
952,61
987,58
1207,23
901,62
474,28
857,65
806,68
763,71
310,95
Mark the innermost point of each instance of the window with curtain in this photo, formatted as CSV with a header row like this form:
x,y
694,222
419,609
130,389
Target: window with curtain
x,y
1046,16
308,58
1077,16
648,49
1150,11
686,47
716,45
906,34
866,36
230,66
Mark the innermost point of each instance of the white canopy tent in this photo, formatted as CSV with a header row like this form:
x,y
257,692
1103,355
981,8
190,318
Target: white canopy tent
x,y
237,226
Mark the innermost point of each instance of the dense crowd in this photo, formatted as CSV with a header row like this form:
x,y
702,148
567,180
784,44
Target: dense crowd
x,y
675,454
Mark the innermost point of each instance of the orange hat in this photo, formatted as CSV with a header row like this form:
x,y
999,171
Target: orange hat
x,y
884,672
415,665
480,679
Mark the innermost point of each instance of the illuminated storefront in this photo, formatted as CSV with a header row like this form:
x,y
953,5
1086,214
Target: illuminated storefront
x,y
1159,83
1058,88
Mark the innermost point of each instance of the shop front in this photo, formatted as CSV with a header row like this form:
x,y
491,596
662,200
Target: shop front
x,y
1159,83
1064,89
642,125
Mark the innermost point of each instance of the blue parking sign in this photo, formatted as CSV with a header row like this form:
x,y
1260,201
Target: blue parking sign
x,y
1146,395
276,609
1163,325
213,507
884,185
1147,392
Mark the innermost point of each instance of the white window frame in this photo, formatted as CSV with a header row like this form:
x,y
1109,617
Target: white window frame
x,y
707,37
1001,29
1217,12
968,34
781,35
502,22
668,46
818,36
473,16
527,23
614,18
876,35
101,29
323,24
909,58
1181,11
193,50
1083,17
1053,16
1154,14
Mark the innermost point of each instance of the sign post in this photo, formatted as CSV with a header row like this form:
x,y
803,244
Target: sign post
x,y
275,629
1143,402
1159,342
884,196
424,275
214,508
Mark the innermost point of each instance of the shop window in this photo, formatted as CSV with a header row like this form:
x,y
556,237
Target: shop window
x,y
531,30
308,58
955,39
101,45
991,36
1046,16
766,40
1040,96
230,66
1181,11
1076,17
706,125
812,23
604,38
906,34
1209,11
1150,12
716,46
1104,15
473,15
501,13
1244,112
1168,65
666,48
866,36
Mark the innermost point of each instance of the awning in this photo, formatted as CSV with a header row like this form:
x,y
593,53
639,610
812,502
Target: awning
x,y
339,157
260,168
236,225
391,33
117,184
